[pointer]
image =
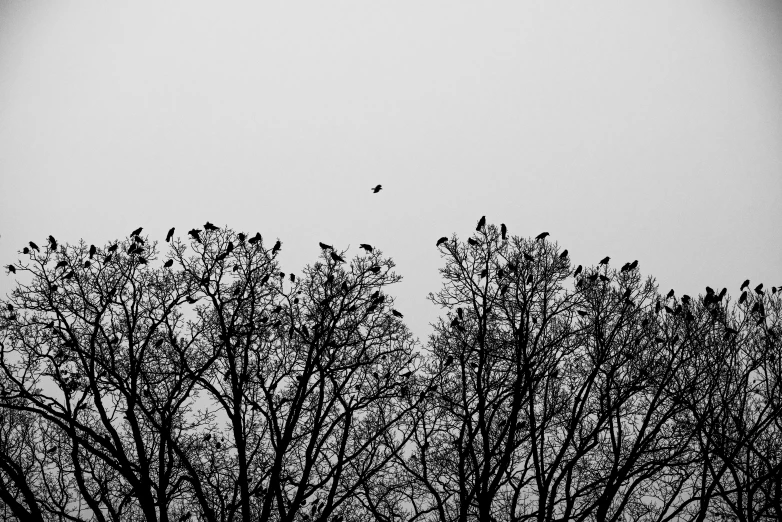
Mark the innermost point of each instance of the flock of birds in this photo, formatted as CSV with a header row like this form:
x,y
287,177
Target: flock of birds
x,y
136,248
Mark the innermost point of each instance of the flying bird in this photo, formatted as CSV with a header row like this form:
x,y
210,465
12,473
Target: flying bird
x,y
481,224
241,237
503,231
324,246
92,251
366,247
209,227
625,267
670,294
542,235
442,240
255,238
136,232
170,234
605,260
634,265
744,285
377,189
169,263
293,278
337,258
61,264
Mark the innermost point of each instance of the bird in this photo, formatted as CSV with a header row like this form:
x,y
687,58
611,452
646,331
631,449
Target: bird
x,y
324,246
484,273
34,246
627,293
209,227
563,255
670,294
625,267
264,279
52,243
337,258
241,236
542,235
92,251
503,231
276,247
460,313
759,289
190,300
604,278
253,240
25,251
293,278
582,313
472,242
605,260
169,263
136,232
374,269
481,224
87,264
633,265
377,189
366,247
61,264
578,271
396,313
170,234
113,248
195,234
743,297
449,360
744,285
442,240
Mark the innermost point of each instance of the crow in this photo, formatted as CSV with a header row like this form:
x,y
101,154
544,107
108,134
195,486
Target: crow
x,y
578,271
563,255
264,279
169,263
744,285
191,300
293,278
481,224
92,251
255,238
529,279
34,246
441,241
542,235
449,360
276,247
605,260
113,248
633,265
195,234
52,243
503,231
396,313
170,234
337,258
604,278
472,242
377,189
61,264
366,247
324,246
136,232
484,273
759,289
625,267
374,269
209,227
670,294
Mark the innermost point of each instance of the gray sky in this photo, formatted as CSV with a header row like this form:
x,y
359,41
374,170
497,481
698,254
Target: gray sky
x,y
649,131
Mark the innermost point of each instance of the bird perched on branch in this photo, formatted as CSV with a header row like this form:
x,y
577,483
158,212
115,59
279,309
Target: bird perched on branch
x,y
481,224
209,227
170,234
366,247
136,232
442,240
605,260
337,258
195,233
503,231
542,235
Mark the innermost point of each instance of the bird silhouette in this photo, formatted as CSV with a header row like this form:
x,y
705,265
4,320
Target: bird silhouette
x,y
92,251
472,242
603,278
25,251
542,235
293,278
377,189
169,263
744,285
34,246
593,277
633,265
625,267
264,279
563,255
441,241
759,289
755,307
374,269
61,264
336,258
195,234
627,293
253,240
170,234
276,247
670,294
503,231
484,273
209,227
113,248
230,247
396,313
242,236
366,247
605,260
449,360
52,243
578,271
481,224
136,232
324,246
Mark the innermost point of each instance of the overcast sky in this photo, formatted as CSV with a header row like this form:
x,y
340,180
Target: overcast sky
x,y
649,131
